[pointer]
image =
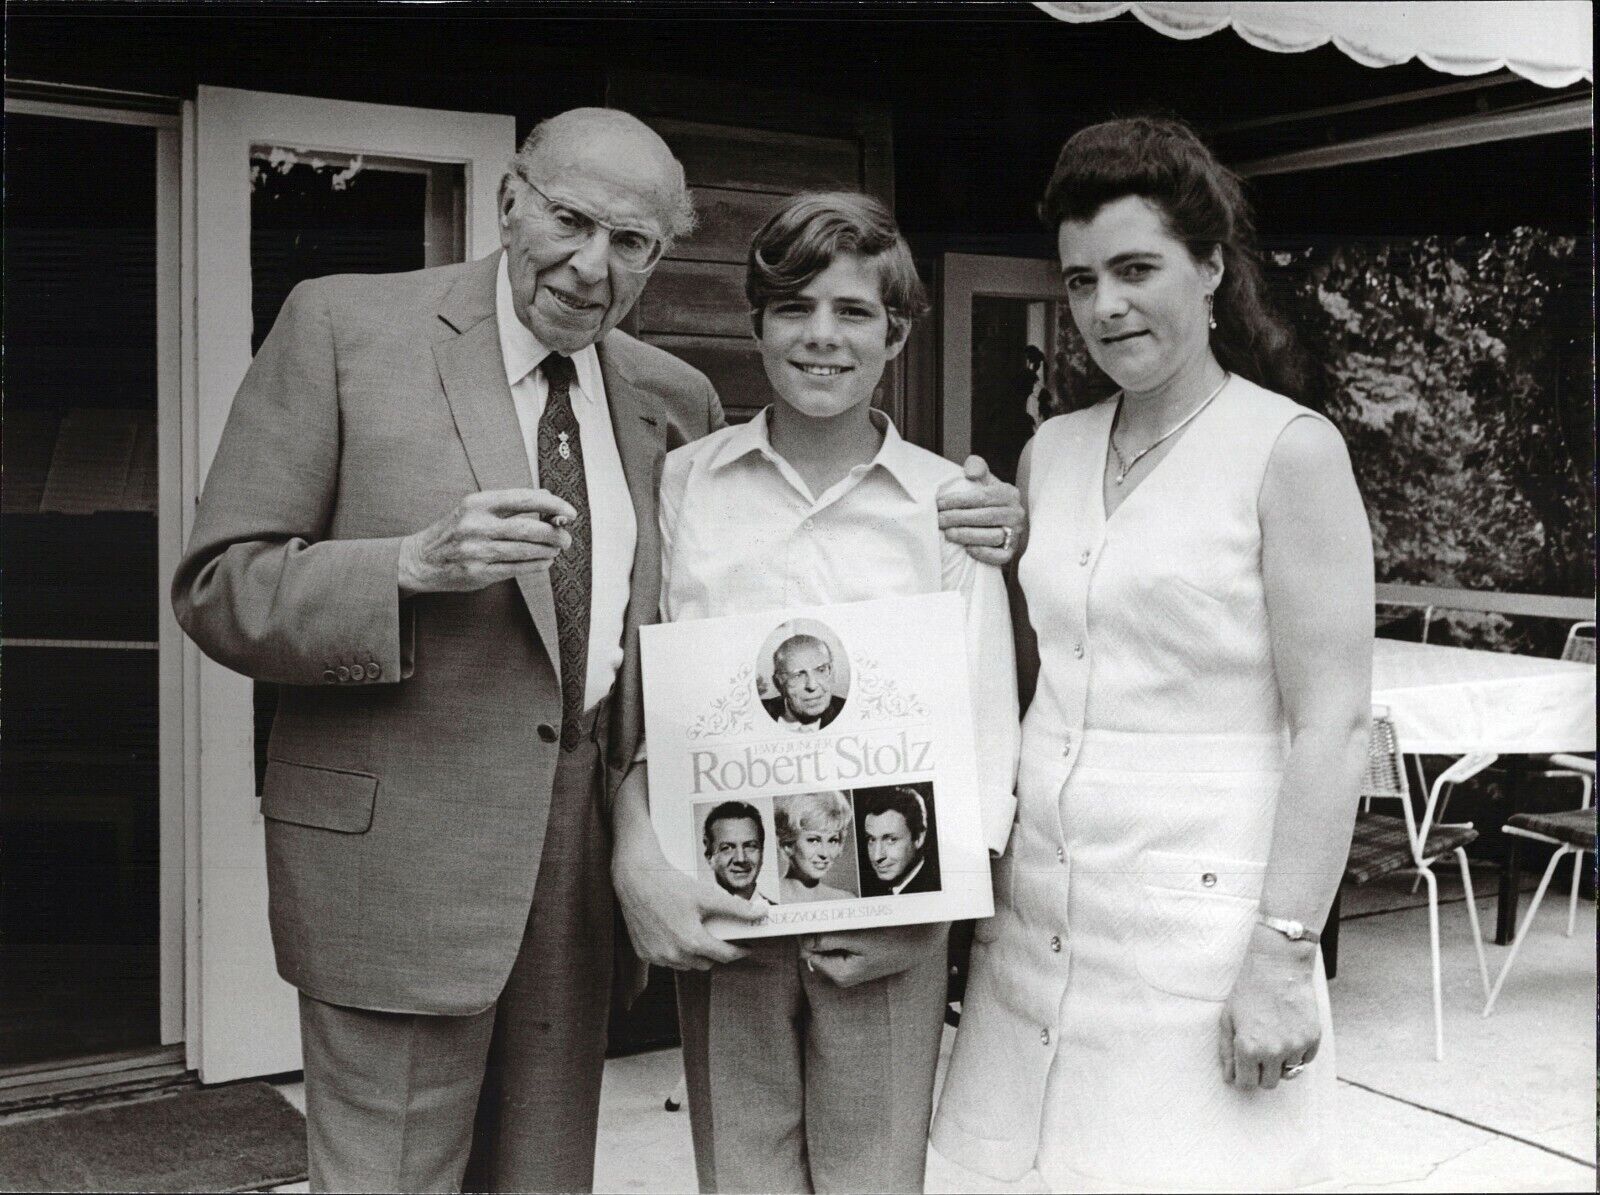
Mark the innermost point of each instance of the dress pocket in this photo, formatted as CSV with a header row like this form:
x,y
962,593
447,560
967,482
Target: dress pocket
x,y
1197,914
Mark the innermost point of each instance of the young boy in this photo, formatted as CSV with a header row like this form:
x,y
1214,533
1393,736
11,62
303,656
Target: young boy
x,y
810,1060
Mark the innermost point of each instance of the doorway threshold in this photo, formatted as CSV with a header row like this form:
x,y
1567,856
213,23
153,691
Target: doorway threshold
x,y
35,1085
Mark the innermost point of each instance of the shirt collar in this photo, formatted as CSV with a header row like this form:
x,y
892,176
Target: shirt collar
x,y
908,877
523,351
894,455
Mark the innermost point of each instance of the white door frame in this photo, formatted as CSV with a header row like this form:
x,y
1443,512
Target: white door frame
x,y
966,275
242,1019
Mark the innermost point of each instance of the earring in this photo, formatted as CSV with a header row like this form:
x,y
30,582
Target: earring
x,y
1211,311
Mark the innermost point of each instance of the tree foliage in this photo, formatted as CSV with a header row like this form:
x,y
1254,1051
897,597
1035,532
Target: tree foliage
x,y
1461,372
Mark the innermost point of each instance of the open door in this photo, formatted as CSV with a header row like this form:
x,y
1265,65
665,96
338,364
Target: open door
x,y
286,188
1001,323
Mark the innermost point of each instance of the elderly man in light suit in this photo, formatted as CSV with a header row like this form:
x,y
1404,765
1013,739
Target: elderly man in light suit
x,y
461,703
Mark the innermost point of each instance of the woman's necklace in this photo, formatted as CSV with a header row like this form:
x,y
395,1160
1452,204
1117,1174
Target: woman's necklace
x,y
1124,467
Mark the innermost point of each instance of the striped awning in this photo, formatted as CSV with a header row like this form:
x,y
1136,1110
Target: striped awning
x,y
1550,42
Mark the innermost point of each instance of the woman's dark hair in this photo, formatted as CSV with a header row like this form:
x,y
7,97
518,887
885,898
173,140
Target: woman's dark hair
x,y
1162,160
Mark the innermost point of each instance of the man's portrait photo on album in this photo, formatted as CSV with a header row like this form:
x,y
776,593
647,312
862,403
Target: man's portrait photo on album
x,y
803,676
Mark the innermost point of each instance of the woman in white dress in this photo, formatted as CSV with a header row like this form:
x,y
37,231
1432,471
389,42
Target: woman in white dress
x,y
1147,1008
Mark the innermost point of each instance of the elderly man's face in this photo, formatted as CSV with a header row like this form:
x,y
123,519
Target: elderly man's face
x,y
804,675
735,854
891,848
569,297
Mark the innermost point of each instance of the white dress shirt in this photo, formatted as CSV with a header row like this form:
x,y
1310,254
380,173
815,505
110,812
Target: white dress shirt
x,y
742,533
614,529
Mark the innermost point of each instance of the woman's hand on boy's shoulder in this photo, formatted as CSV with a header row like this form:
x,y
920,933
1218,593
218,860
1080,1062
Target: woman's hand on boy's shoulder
x,y
982,513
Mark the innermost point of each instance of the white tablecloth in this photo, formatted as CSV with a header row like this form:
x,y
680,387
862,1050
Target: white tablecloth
x,y
1453,700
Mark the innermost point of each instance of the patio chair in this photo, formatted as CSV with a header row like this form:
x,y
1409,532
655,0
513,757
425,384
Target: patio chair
x,y
1571,832
1580,649
1383,844
1580,643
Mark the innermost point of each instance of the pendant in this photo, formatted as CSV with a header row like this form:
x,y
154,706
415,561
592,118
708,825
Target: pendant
x,y
563,449
1121,477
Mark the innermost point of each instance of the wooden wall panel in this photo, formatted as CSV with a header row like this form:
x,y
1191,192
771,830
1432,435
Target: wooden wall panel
x,y
728,219
734,367
748,159
704,298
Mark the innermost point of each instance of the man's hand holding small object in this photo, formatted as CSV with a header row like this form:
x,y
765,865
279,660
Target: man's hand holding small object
x,y
489,537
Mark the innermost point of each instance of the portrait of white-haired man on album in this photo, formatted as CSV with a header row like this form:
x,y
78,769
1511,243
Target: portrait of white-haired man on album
x,y
803,675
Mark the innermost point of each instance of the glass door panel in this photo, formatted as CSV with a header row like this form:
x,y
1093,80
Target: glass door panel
x,y
79,776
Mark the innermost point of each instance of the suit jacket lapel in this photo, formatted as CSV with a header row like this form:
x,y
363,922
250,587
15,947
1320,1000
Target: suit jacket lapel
x,y
641,442
638,422
474,376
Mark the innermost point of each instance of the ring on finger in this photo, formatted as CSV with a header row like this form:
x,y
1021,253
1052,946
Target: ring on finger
x,y
1007,537
1292,1071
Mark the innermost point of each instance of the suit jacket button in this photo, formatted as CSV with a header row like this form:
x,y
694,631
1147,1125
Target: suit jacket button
x,y
548,733
344,673
374,671
330,676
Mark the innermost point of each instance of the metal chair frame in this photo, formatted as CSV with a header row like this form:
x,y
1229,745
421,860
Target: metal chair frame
x,y
1579,649
1388,779
1586,768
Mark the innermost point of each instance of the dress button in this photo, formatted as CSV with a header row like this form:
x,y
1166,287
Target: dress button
x,y
344,673
1077,650
1055,943
1209,879
330,676
1044,1037
548,733
1083,557
374,671
1061,854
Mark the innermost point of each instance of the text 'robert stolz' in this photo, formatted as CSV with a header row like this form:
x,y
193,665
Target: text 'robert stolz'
x,y
819,762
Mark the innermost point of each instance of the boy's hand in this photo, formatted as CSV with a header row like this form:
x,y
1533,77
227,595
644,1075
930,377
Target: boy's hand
x,y
862,955
666,910
983,514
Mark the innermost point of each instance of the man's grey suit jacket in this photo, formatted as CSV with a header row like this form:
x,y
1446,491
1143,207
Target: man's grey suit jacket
x,y
407,785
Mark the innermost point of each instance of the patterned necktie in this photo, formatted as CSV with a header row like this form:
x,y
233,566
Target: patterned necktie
x,y
561,472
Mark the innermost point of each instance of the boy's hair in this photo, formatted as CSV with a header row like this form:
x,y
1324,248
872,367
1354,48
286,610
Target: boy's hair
x,y
811,230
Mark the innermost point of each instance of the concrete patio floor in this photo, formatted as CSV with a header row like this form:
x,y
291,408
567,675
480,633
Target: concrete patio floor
x,y
1511,1107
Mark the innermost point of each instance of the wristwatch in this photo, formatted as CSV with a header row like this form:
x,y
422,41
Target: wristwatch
x,y
1293,930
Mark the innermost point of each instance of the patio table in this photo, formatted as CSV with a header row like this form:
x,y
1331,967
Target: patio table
x,y
1463,701
1479,705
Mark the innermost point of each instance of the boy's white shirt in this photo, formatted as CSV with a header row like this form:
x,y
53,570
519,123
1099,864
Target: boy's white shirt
x,y
874,533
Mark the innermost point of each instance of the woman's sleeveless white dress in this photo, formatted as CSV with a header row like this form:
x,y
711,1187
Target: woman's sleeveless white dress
x,y
1151,760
